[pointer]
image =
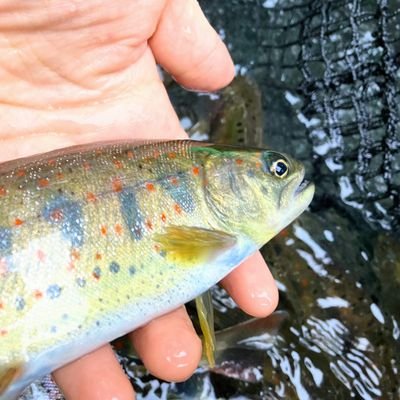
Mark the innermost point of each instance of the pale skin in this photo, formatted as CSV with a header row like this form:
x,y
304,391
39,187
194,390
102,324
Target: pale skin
x,y
75,72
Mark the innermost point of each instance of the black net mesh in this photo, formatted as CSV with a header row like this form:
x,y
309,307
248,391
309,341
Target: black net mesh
x,y
328,70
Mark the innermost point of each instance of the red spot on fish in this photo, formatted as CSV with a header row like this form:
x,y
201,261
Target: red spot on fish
x,y
18,222
129,154
171,155
239,161
96,274
258,164
71,266
21,173
60,176
150,187
174,181
52,163
149,224
43,182
75,255
103,230
196,171
117,185
97,256
3,191
86,165
177,208
3,332
156,154
37,294
163,217
1,306
118,229
91,197
41,255
157,248
118,164
57,215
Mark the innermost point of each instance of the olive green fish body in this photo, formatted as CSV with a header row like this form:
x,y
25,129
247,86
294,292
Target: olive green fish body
x,y
97,240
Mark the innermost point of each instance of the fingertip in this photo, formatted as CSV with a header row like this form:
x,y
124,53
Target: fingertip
x,y
214,72
252,287
96,376
188,47
169,346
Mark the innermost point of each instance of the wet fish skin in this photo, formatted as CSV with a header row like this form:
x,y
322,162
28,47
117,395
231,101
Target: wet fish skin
x,y
93,240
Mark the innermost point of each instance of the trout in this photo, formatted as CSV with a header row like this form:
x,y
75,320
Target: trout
x,y
97,240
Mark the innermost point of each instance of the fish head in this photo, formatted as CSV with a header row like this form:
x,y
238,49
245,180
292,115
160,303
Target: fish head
x,y
255,192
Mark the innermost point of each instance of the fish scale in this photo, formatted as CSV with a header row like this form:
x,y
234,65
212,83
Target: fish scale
x,y
97,240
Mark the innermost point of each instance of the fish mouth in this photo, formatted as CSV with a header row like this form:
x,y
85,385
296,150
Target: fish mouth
x,y
303,192
302,187
298,192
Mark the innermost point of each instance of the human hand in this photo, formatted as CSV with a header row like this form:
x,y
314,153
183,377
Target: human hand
x,y
73,72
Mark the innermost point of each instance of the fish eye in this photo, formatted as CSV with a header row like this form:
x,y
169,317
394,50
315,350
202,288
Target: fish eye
x,y
279,168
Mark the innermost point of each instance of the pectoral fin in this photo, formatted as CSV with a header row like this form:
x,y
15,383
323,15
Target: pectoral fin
x,y
190,244
8,376
205,312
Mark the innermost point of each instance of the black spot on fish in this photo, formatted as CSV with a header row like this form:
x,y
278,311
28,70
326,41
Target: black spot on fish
x,y
5,239
97,272
67,214
114,267
132,270
81,282
131,214
19,303
53,291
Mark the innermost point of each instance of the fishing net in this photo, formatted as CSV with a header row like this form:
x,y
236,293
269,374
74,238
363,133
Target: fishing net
x,y
329,72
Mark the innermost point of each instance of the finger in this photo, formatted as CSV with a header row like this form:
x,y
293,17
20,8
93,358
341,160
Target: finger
x,y
169,346
96,376
252,287
188,47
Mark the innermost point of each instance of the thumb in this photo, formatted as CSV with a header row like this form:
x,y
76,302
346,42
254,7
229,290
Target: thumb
x,y
186,45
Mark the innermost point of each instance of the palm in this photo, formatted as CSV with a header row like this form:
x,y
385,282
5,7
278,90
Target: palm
x,y
76,72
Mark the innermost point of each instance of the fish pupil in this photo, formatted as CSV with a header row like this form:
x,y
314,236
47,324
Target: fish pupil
x,y
280,168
